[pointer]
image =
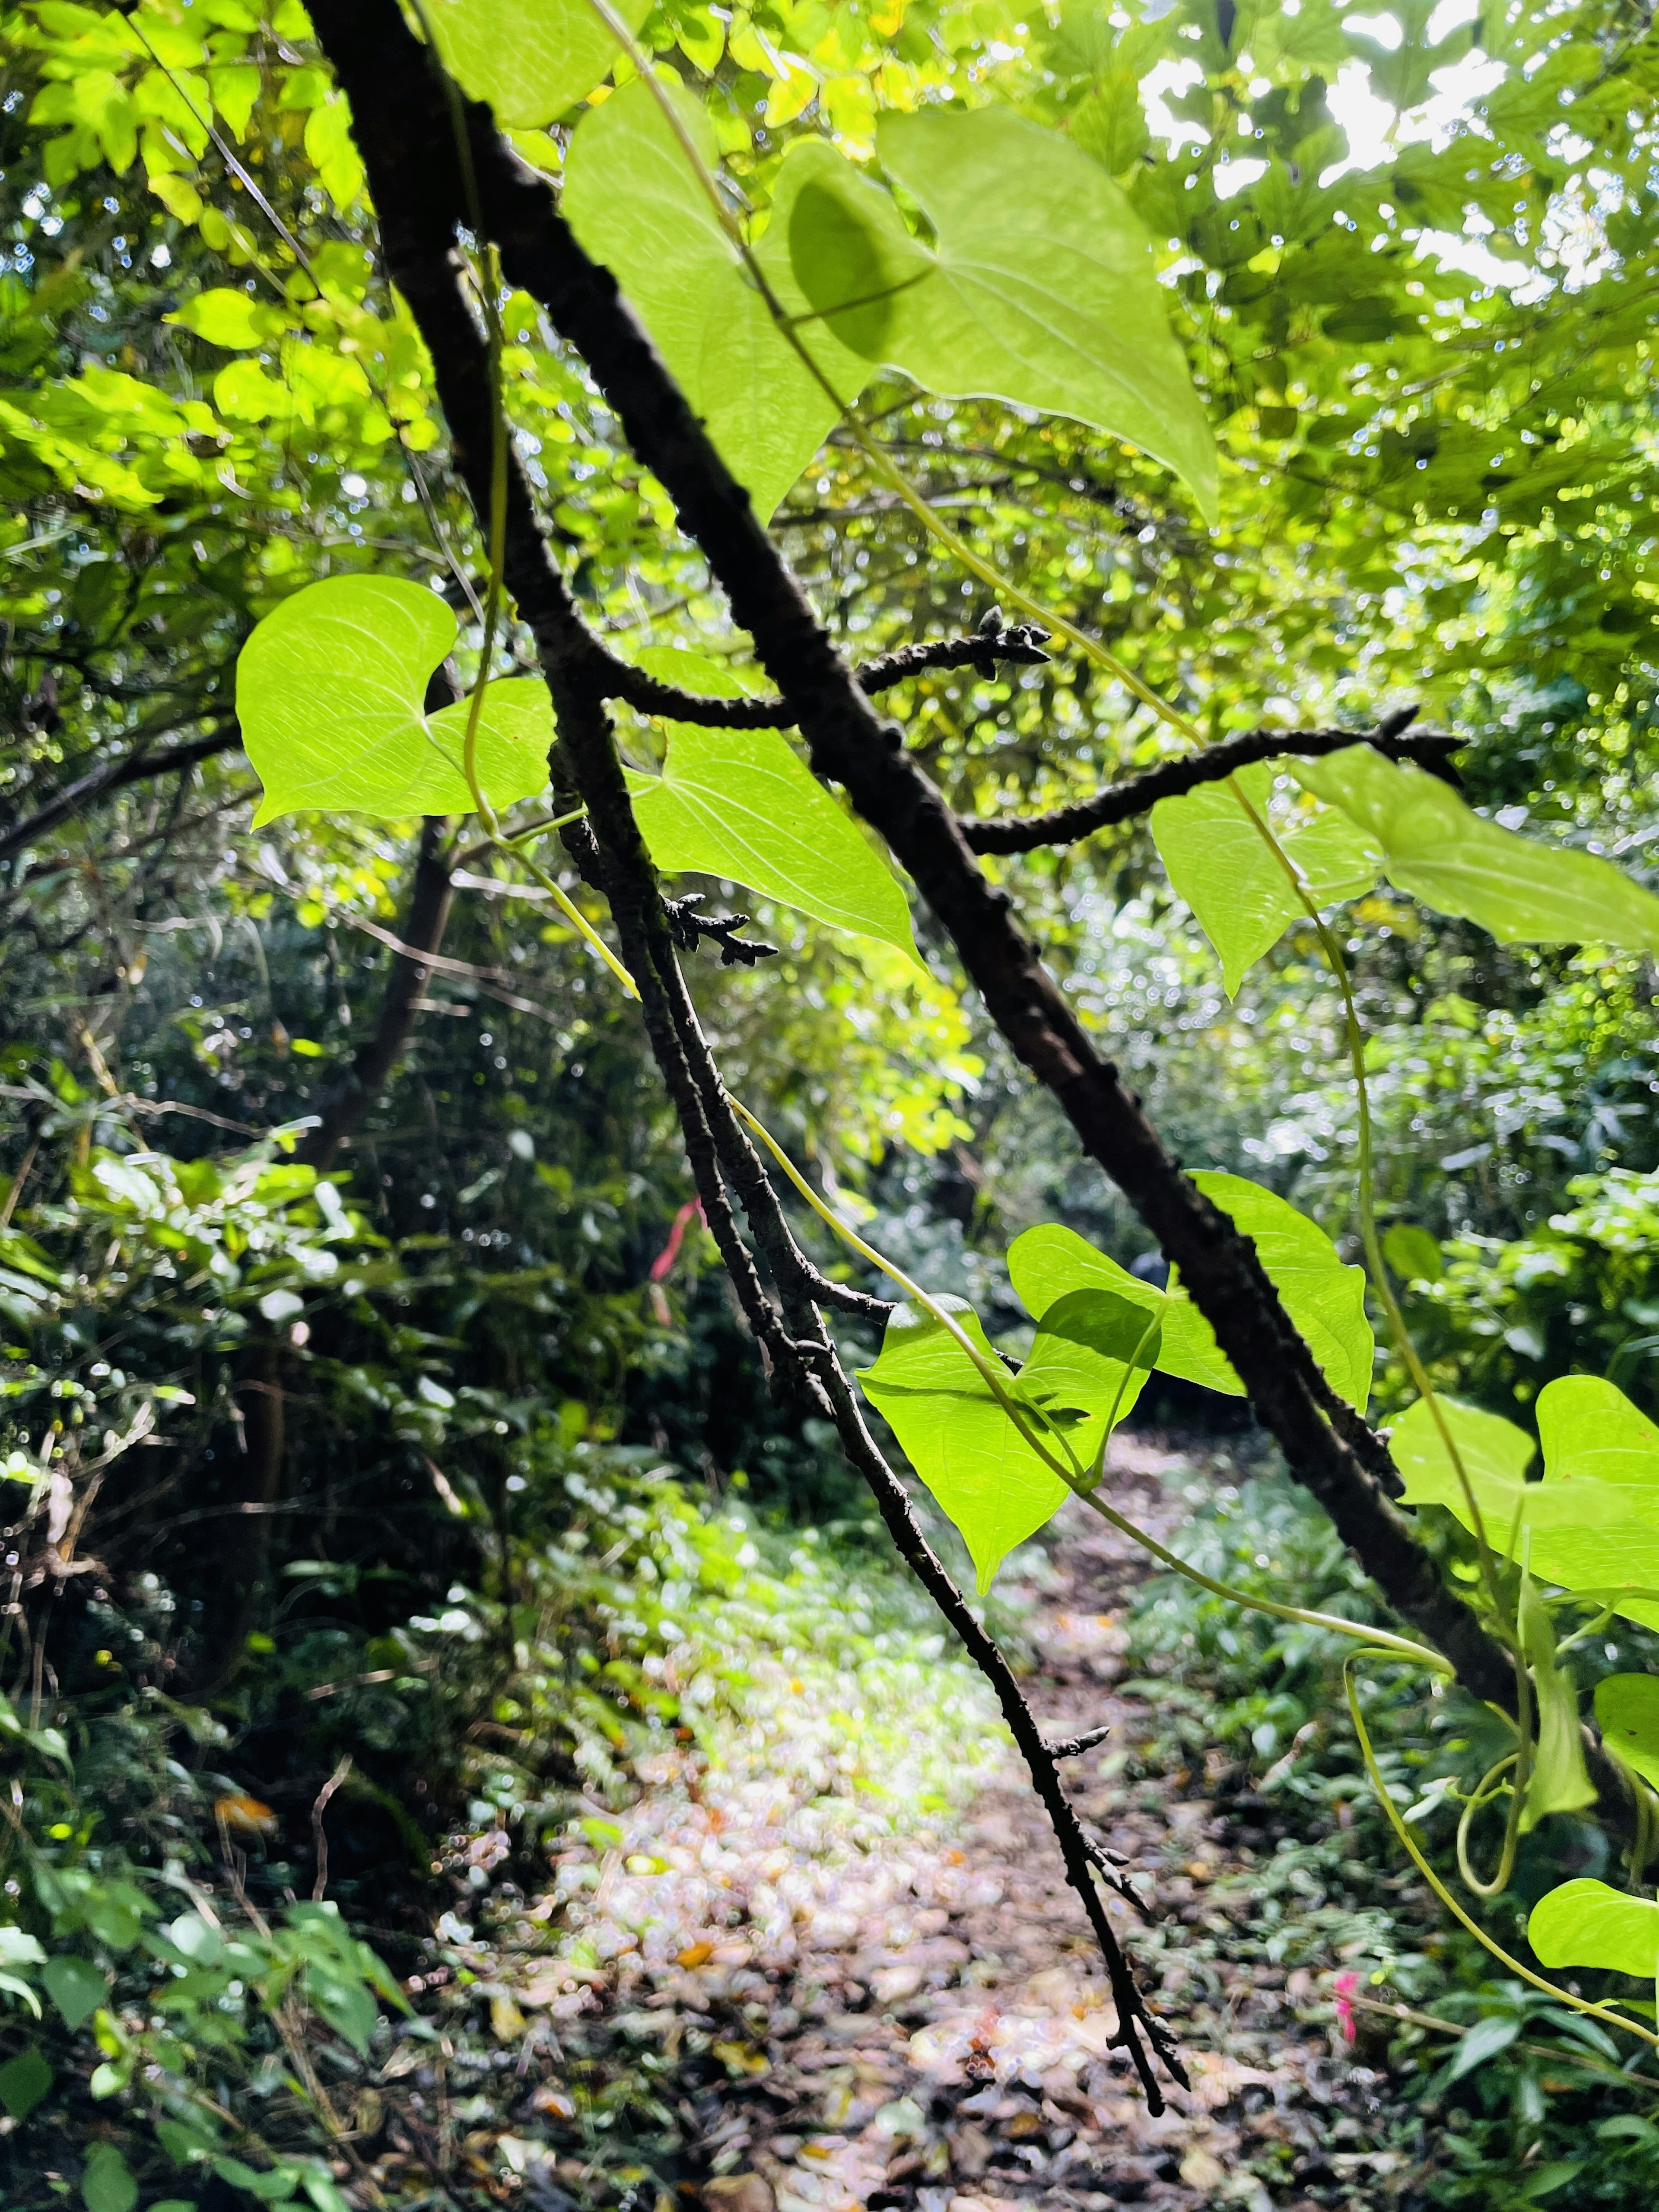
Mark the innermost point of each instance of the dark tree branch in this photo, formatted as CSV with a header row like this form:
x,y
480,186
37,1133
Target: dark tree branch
x,y
1172,779
689,929
386,74
849,744
1019,644
1069,1746
113,776
343,1102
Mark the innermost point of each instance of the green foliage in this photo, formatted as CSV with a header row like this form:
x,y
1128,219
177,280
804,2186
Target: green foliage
x,y
531,60
1438,850
636,203
741,804
1238,886
1627,1715
1039,290
989,1452
329,690
1325,1298
1591,1525
1585,1924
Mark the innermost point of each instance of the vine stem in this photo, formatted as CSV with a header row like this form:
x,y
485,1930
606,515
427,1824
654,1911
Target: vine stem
x,y
1398,1647
1447,1897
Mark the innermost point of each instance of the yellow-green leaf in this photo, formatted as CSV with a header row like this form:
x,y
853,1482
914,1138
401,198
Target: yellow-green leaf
x,y
1234,882
532,60
1091,1352
1440,851
330,692
742,804
1586,1923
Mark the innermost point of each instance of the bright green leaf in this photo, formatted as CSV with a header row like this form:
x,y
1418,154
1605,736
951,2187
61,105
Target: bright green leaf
x,y
231,319
532,60
1589,1427
1235,884
1585,1924
329,690
1627,1714
742,804
1042,291
1092,1350
75,1986
1325,1298
1592,1434
1493,1453
1046,1262
633,203
1437,849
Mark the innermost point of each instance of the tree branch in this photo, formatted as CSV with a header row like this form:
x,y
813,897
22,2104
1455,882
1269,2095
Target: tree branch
x,y
1019,644
343,1102
1173,779
419,190
113,776
385,74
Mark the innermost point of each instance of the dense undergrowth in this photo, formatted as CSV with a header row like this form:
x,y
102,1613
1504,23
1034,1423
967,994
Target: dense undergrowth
x,y
1488,2093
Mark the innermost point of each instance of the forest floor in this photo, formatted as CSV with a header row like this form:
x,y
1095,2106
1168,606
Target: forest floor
x,y
769,2003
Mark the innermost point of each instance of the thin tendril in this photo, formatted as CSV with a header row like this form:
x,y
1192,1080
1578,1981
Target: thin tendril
x,y
1446,1896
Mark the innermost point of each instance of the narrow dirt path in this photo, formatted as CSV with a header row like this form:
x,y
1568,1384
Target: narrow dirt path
x,y
831,2019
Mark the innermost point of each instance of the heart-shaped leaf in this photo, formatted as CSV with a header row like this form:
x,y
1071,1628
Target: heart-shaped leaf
x,y
329,690
743,805
1093,1351
1591,1524
1585,1924
532,60
1041,289
1437,849
634,202
1324,1298
1235,884
1591,1433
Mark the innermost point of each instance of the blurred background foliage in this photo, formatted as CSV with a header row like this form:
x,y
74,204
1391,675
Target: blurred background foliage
x,y
367,1456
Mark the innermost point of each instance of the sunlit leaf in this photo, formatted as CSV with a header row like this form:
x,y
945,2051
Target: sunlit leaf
x,y
532,60
1440,851
1091,1351
1323,1296
635,203
1627,1714
1585,1924
742,804
1039,290
1046,1262
1591,1433
1235,884
330,690
1494,1455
